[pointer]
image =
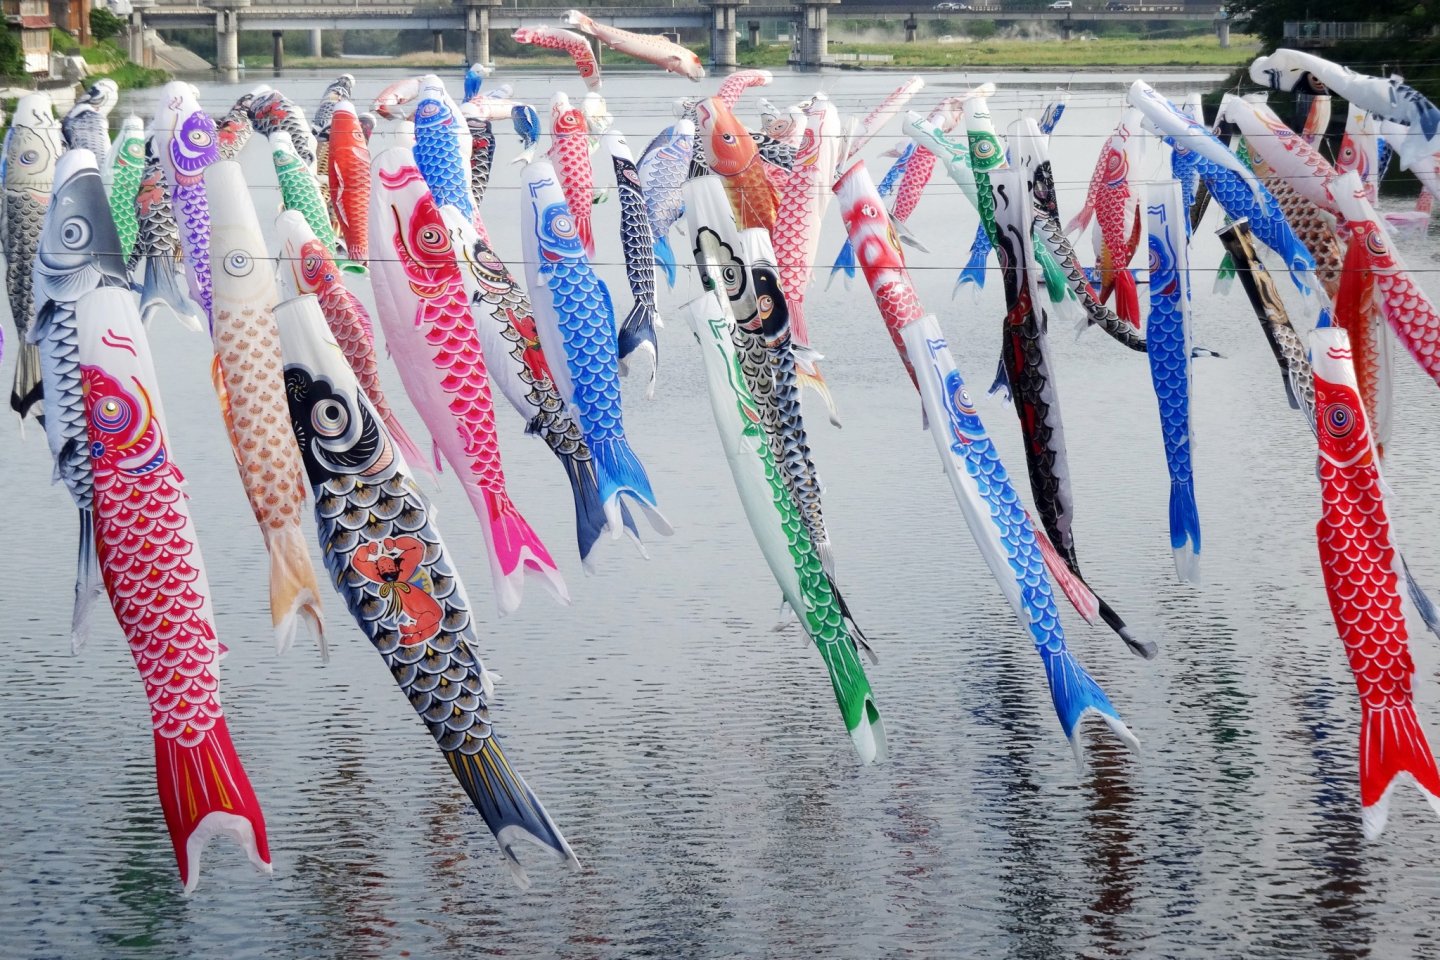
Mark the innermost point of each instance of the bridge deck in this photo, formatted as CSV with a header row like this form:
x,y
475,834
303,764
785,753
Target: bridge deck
x,y
330,15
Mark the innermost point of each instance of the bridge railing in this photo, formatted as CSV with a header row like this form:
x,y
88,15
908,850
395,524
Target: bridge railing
x,y
1318,30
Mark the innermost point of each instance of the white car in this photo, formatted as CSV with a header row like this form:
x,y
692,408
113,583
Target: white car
x,y
1063,5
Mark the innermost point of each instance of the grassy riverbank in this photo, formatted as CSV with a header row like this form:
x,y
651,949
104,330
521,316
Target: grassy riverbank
x,y
1196,51
106,59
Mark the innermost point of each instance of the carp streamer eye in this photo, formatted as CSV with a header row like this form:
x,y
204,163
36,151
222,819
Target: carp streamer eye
x,y
432,239
330,418
111,415
765,304
1339,420
29,156
1375,243
199,138
563,226
311,265
75,232
868,211
239,264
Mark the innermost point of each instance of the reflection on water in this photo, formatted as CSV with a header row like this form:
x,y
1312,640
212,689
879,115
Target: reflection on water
x,y
691,753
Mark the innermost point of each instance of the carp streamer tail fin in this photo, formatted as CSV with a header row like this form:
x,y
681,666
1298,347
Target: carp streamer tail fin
x,y
621,473
293,591
1185,530
1392,745
204,792
89,583
589,512
162,292
844,262
1423,604
807,374
1127,298
637,333
1075,694
665,257
518,551
26,392
508,807
974,271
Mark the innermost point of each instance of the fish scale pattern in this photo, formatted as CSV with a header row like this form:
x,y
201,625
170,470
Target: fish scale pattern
x,y
1407,309
272,112
349,178
506,323
1072,689
585,323
915,179
1050,234
190,147
85,128
796,232
1267,221
662,168
233,131
154,574
443,676
158,235
1313,229
315,272
438,155
482,155
1168,340
820,613
1357,312
792,452
1290,351
637,330
1025,362
570,153
300,191
127,164
878,252
1359,563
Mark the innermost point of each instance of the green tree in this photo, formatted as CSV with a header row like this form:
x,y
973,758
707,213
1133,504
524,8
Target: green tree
x,y
104,25
1268,17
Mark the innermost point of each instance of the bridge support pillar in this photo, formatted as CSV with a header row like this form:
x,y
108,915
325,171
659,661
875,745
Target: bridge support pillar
x,y
723,31
277,49
317,47
752,33
912,29
1067,30
135,36
1222,31
477,29
227,37
814,32
437,41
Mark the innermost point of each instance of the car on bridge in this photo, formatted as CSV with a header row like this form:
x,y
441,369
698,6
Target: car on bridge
x,y
957,7
1063,5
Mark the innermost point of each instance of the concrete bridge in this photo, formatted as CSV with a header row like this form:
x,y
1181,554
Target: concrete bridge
x,y
720,18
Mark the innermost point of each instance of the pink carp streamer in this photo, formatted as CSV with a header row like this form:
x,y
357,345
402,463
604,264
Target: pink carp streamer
x,y
553,38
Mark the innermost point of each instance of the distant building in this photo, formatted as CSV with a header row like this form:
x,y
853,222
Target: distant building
x,y
72,16
32,21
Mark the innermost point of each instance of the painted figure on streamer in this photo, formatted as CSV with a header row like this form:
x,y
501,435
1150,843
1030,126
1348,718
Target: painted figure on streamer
x,y
393,563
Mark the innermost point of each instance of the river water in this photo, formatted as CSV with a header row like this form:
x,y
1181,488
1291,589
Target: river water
x,y
692,755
